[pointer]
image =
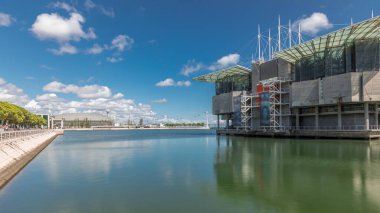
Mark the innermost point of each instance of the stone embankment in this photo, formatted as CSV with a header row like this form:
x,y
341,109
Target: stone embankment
x,y
18,148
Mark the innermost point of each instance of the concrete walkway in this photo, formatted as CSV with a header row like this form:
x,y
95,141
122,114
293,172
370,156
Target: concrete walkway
x,y
18,152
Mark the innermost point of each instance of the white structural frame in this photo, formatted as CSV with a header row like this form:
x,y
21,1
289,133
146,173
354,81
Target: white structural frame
x,y
249,101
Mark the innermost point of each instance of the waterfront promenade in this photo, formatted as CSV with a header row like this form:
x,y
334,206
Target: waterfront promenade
x,y
18,148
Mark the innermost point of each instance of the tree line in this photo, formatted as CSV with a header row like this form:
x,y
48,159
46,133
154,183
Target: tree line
x,y
11,114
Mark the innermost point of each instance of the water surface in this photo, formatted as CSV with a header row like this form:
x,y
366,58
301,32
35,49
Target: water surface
x,y
195,171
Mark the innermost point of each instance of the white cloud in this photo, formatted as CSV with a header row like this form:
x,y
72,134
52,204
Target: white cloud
x,y
11,93
118,95
5,20
160,101
166,83
225,61
183,83
119,44
94,91
64,49
48,97
51,103
122,42
114,59
191,67
169,82
33,104
46,67
64,6
94,50
61,29
86,92
88,4
313,24
119,107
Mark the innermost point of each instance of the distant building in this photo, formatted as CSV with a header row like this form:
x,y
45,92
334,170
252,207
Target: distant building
x,y
83,120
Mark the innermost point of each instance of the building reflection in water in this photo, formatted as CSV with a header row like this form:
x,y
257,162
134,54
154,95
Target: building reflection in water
x,y
292,175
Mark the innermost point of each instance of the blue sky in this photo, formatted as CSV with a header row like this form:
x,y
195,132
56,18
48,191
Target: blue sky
x,y
113,54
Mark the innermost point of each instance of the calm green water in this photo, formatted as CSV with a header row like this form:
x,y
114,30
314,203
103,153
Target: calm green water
x,y
195,171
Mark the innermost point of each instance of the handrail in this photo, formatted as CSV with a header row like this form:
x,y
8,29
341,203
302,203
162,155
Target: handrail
x,y
7,135
312,128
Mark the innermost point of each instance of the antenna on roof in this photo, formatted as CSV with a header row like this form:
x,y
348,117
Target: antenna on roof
x,y
299,33
352,22
290,33
270,45
372,13
279,33
259,40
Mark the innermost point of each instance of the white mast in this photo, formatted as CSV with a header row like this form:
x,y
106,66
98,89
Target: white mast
x,y
352,22
259,40
299,34
279,33
372,13
270,45
290,34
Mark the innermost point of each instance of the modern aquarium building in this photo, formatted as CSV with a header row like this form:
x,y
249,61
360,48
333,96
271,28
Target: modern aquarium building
x,y
326,87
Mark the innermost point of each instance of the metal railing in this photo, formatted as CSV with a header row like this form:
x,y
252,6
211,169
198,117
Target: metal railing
x,y
336,128
310,128
7,135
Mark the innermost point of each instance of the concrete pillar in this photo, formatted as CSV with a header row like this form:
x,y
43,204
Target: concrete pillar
x,y
218,122
366,116
377,115
339,116
297,118
61,124
316,118
228,122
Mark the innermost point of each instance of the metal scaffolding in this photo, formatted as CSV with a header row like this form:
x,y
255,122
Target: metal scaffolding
x,y
251,101
274,87
248,102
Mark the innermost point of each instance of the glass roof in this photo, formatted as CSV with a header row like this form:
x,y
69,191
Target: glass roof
x,y
363,30
231,71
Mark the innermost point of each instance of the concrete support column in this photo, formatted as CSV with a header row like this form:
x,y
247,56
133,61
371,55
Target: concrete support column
x,y
339,116
297,111
366,116
218,122
228,122
61,124
377,115
316,118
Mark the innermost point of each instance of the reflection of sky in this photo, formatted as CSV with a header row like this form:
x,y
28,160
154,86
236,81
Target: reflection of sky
x,y
80,174
92,160
84,172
